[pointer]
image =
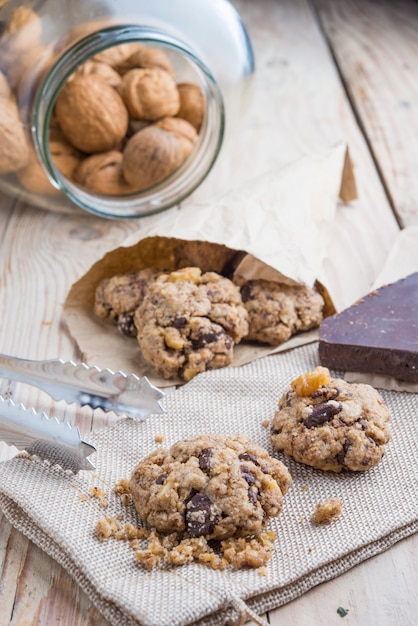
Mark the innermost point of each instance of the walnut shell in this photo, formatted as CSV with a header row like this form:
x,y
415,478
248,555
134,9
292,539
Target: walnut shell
x,y
76,33
5,91
28,75
91,114
34,178
147,57
150,156
65,157
21,34
14,146
103,173
21,18
25,65
135,126
186,133
149,94
97,68
54,131
117,55
192,104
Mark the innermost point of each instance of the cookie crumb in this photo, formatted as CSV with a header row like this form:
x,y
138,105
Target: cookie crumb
x,y
122,486
304,488
327,511
249,552
83,497
265,423
159,439
107,527
100,495
238,553
122,490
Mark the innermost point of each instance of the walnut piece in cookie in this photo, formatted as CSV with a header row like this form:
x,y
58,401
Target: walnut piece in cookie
x,y
211,486
338,426
189,322
327,511
276,311
117,297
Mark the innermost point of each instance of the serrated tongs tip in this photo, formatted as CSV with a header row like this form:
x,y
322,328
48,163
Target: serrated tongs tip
x,y
57,442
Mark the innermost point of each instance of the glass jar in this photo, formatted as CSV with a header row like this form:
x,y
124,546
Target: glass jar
x,y
43,45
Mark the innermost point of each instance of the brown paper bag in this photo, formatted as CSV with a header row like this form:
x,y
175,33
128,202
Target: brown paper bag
x,y
273,228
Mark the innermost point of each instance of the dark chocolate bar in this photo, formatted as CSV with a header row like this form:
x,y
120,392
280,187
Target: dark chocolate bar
x,y
378,334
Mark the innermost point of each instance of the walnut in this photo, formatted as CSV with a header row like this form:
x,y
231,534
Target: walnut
x,y
21,34
117,55
65,157
14,147
147,57
103,173
91,114
135,126
150,156
27,75
54,131
192,104
5,91
34,178
97,68
149,94
24,18
76,33
25,65
185,132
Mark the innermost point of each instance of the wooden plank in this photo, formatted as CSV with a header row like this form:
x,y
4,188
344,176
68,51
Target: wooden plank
x,y
36,590
378,592
298,106
376,47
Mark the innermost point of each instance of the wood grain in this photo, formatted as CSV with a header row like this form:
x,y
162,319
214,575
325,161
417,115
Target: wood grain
x,y
378,592
299,105
376,48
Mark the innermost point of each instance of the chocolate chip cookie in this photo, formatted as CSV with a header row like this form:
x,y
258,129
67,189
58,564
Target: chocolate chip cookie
x,y
211,486
332,425
189,322
276,311
117,297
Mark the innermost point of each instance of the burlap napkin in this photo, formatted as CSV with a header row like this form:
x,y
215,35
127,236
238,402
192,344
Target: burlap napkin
x,y
55,510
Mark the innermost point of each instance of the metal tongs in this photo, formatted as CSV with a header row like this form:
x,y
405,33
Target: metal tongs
x,y
59,442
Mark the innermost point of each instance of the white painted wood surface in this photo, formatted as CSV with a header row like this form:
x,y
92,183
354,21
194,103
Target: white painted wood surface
x,y
376,48
299,105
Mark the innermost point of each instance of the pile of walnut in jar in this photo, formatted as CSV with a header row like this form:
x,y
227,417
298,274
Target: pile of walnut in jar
x,y
121,123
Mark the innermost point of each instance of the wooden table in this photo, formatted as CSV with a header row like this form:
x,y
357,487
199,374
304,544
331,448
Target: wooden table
x,y
326,71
